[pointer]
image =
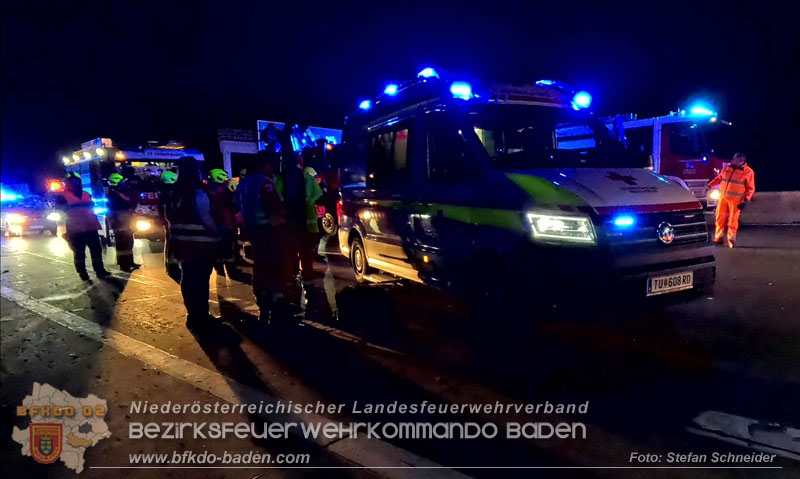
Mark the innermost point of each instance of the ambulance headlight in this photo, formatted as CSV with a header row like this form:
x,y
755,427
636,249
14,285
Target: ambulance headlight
x,y
143,225
54,216
561,228
713,195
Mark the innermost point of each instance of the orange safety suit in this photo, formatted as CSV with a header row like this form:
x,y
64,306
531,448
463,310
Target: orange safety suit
x,y
736,186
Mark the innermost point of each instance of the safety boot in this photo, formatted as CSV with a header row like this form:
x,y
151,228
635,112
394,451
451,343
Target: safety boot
x,y
82,273
100,270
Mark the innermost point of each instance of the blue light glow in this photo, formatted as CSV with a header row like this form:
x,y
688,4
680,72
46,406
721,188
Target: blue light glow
x,y
581,100
428,72
701,110
391,89
365,105
7,196
100,210
624,221
461,89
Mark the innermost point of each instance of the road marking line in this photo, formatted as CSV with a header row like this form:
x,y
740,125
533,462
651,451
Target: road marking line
x,y
61,297
358,451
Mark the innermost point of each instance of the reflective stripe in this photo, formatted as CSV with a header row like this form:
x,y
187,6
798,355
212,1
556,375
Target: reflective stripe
x,y
735,182
730,193
201,239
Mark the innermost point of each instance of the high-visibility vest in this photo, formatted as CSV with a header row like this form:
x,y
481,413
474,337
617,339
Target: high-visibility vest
x,y
80,215
189,239
736,183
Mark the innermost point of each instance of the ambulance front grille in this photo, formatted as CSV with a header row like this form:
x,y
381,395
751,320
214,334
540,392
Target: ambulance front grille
x,y
689,226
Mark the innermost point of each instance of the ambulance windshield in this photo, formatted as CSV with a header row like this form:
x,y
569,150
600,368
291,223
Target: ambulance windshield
x,y
529,136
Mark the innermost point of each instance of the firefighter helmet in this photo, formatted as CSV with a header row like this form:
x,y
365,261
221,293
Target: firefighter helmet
x,y
169,177
114,179
218,175
233,184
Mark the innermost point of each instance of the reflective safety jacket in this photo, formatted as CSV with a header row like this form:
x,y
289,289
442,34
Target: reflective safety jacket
x,y
313,193
189,239
735,184
79,212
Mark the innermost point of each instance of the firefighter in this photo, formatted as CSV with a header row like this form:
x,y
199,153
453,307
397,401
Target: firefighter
x,y
264,226
194,241
736,188
310,240
82,226
165,196
121,204
224,209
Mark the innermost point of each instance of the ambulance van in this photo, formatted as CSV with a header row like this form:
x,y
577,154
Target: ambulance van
x,y
500,188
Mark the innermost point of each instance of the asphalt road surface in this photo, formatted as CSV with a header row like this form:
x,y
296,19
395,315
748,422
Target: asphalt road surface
x,y
713,373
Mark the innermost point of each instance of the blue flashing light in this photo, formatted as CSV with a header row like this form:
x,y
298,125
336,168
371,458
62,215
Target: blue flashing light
x,y
624,221
701,110
428,72
461,89
100,210
7,196
582,100
391,89
365,105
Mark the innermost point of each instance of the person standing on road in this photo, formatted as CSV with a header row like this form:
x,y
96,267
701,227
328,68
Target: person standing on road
x,y
224,209
194,238
82,226
264,226
121,205
168,195
736,188
310,243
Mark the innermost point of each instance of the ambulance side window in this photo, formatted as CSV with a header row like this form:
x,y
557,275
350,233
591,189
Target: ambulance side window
x,y
450,160
387,163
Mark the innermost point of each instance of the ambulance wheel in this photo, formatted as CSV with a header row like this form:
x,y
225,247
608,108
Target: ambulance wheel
x,y
328,224
358,259
54,232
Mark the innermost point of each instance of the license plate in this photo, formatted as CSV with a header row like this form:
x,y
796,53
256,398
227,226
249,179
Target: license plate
x,y
670,283
35,227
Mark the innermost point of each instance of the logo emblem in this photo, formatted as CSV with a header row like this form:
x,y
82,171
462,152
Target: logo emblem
x,y
629,180
666,233
46,442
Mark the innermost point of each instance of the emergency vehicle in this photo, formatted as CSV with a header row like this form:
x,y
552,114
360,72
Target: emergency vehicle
x,y
100,157
693,145
503,188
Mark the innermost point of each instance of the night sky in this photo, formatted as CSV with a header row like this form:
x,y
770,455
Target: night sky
x,y
161,70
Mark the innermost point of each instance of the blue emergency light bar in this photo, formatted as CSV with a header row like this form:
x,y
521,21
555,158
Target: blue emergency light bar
x,y
391,89
581,100
428,72
461,89
365,105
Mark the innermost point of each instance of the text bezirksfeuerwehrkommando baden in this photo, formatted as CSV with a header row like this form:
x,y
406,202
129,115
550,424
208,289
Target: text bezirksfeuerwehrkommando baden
x,y
356,407
317,427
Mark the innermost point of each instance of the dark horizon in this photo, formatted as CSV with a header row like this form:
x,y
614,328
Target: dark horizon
x,y
180,71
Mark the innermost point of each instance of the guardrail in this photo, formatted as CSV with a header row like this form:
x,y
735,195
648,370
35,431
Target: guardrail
x,y
773,207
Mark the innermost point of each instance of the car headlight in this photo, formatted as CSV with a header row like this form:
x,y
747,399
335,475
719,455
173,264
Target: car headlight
x,y
143,225
561,228
713,195
15,218
54,216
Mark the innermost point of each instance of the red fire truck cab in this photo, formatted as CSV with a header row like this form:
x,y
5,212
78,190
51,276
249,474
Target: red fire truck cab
x,y
691,145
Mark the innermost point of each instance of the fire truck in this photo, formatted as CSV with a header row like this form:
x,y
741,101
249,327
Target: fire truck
x,y
690,145
98,158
